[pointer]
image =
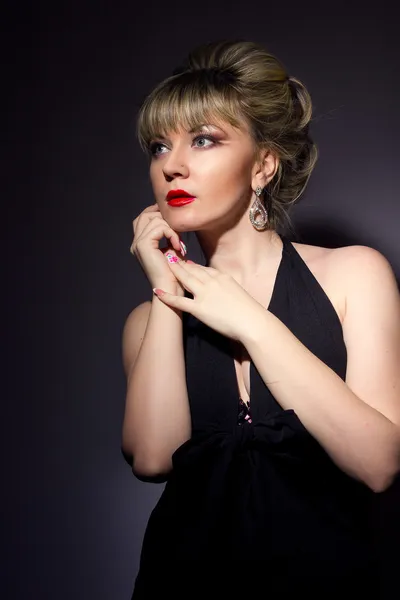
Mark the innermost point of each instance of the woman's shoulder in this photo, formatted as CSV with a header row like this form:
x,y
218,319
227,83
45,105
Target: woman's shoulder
x,y
336,268
324,256
340,262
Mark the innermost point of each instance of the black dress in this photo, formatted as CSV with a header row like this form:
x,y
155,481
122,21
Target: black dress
x,y
254,504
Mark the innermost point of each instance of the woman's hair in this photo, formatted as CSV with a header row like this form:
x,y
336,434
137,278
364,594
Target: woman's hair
x,y
236,82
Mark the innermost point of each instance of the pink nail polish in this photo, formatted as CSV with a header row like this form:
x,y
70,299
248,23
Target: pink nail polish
x,y
171,258
184,250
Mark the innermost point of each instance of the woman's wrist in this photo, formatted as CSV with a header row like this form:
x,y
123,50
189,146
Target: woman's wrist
x,y
171,287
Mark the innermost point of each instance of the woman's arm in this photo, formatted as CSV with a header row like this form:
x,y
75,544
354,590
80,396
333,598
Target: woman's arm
x,y
157,417
357,421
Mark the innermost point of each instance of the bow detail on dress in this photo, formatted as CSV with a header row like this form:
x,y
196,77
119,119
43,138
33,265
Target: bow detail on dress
x,y
281,435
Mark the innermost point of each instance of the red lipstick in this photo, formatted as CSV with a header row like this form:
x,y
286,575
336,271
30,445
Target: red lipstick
x,y
179,197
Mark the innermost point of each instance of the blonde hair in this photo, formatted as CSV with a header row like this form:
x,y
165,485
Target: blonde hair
x,y
238,81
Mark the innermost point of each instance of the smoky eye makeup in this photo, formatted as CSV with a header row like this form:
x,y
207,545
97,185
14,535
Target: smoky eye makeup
x,y
196,134
151,148
203,128
209,128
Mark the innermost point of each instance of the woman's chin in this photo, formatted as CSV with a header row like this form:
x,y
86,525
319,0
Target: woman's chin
x,y
180,223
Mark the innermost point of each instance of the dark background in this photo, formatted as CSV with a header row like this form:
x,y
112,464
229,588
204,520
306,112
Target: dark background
x,y
74,74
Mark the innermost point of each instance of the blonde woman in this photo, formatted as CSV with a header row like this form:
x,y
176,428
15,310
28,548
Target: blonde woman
x,y
264,386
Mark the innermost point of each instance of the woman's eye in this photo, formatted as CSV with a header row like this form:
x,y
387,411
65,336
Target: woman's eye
x,y
204,137
153,147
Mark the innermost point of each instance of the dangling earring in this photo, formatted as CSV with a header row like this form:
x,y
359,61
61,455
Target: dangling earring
x,y
258,208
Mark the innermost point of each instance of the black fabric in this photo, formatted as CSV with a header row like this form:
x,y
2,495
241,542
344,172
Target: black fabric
x,y
258,507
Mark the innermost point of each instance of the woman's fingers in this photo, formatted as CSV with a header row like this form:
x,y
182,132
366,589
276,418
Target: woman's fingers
x,y
188,273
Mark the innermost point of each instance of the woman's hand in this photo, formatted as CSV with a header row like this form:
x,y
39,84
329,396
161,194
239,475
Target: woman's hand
x,y
148,229
218,299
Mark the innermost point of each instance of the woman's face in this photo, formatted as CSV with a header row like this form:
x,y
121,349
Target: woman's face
x,y
214,164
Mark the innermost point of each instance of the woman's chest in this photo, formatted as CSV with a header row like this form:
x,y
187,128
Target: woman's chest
x,y
320,266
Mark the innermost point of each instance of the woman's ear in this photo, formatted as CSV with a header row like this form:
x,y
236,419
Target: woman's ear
x,y
266,168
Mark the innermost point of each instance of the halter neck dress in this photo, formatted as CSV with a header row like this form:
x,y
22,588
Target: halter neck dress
x,y
254,504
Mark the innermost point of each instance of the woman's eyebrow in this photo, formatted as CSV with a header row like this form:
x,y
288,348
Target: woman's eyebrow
x,y
193,130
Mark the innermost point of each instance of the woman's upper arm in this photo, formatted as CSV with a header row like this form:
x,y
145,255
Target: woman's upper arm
x,y
371,329
133,334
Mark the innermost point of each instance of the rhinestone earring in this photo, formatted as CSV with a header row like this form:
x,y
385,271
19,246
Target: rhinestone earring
x,y
258,209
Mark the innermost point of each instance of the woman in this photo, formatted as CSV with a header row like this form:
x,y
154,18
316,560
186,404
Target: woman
x,y
263,386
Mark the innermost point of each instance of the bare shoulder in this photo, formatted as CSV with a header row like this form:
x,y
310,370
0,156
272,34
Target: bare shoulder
x,y
133,334
344,270
364,272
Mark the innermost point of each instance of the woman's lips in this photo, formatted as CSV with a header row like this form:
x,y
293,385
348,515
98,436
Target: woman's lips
x,y
180,201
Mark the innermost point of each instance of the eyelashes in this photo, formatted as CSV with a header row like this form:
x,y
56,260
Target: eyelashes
x,y
154,145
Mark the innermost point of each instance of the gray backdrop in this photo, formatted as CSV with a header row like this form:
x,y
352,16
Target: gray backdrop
x,y
73,514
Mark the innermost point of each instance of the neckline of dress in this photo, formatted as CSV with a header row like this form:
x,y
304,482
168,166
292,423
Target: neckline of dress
x,y
284,251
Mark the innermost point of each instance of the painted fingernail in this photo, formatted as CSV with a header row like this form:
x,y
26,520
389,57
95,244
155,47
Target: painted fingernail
x,y
171,258
184,250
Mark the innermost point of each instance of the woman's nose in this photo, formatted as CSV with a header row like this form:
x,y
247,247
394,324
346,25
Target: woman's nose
x,y
175,164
